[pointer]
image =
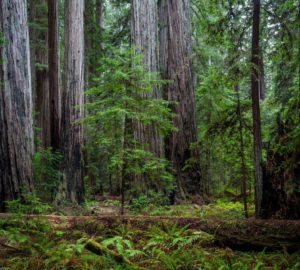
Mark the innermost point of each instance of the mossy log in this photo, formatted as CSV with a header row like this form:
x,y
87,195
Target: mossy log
x,y
243,234
256,234
101,250
249,234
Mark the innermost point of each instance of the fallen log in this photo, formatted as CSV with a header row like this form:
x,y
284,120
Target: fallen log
x,y
238,234
244,234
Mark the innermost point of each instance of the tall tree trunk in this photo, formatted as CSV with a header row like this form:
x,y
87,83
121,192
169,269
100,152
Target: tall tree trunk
x,y
262,82
144,34
32,43
54,72
93,25
72,136
175,62
16,132
89,32
89,27
258,176
92,13
42,103
123,176
39,37
242,150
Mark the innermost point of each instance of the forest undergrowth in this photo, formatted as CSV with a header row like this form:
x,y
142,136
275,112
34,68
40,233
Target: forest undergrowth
x,y
186,112
28,242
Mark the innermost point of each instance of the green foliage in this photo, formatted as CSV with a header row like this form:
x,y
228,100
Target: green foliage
x,y
120,100
123,246
146,202
222,50
40,66
111,203
117,31
1,38
290,117
47,175
219,125
35,244
171,237
63,254
29,203
139,203
2,42
227,208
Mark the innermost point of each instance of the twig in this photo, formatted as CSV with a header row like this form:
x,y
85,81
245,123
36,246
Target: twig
x,y
9,246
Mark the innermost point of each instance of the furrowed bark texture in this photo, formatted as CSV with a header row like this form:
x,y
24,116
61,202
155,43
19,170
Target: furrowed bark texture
x,y
144,34
39,64
16,132
42,100
258,176
54,73
32,44
89,34
72,111
175,62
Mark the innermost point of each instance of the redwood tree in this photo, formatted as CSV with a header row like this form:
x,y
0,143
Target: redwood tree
x,y
72,132
175,62
16,132
42,104
144,34
54,72
258,176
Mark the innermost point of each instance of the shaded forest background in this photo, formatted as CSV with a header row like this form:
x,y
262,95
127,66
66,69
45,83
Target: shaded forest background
x,y
183,100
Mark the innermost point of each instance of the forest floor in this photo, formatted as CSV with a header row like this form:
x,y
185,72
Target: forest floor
x,y
185,236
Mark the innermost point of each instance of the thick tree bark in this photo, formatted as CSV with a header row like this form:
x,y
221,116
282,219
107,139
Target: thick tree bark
x,y
39,61
175,62
54,73
32,43
16,132
89,32
42,104
144,34
258,176
72,136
